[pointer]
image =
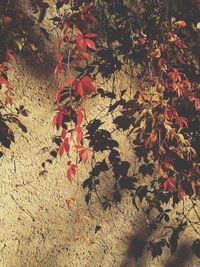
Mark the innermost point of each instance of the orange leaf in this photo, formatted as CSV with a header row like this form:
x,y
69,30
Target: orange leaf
x,y
181,23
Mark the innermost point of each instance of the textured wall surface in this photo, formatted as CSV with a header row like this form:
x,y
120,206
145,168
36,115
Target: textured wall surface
x,y
36,230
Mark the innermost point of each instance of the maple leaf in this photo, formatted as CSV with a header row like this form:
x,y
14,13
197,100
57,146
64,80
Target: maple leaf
x,y
169,184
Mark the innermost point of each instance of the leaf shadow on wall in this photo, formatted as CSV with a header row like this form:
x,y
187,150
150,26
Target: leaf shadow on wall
x,y
137,251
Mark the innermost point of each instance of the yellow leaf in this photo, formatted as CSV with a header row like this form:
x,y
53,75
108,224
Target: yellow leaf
x,y
20,43
181,138
143,124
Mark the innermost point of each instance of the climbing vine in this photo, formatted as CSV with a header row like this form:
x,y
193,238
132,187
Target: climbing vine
x,y
156,42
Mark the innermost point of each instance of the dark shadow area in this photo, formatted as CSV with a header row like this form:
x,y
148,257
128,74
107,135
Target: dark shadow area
x,y
26,36
148,242
137,245
181,256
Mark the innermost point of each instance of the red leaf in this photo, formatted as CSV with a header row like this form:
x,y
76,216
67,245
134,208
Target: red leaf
x,y
64,133
83,152
71,172
79,114
58,93
175,76
87,84
176,151
90,35
169,184
81,42
196,101
182,121
80,90
79,136
85,55
83,87
64,147
170,113
84,155
61,149
59,119
162,64
59,57
3,80
90,44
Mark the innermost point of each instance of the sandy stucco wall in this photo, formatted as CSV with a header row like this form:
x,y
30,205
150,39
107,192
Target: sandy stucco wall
x,y
35,228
